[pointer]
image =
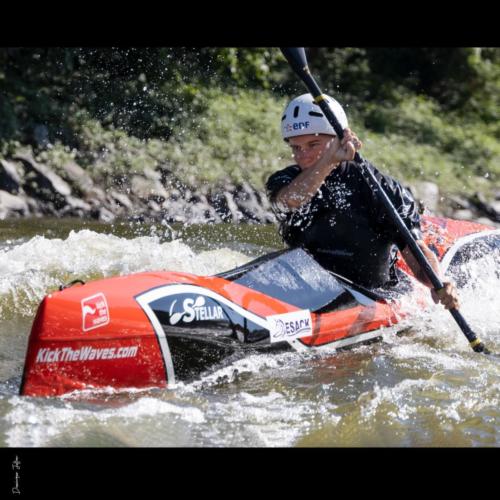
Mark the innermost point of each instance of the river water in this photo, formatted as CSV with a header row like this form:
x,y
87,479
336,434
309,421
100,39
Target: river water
x,y
423,388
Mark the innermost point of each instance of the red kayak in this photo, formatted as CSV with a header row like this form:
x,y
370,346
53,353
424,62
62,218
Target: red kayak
x,y
152,329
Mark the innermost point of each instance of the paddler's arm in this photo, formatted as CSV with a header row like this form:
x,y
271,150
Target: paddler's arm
x,y
446,295
303,188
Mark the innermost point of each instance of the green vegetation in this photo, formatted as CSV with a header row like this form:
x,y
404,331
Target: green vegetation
x,y
212,115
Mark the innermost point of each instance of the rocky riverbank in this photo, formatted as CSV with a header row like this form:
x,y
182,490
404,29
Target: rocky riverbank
x,y
29,188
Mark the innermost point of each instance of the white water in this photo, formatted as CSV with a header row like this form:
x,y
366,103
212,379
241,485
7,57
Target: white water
x,y
426,388
30,269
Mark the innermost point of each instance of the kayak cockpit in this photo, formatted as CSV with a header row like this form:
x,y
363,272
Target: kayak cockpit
x,y
295,277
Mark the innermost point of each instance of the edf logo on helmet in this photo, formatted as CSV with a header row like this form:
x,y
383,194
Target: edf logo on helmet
x,y
297,126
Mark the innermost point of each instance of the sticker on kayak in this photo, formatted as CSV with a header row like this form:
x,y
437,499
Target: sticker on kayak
x,y
289,326
95,312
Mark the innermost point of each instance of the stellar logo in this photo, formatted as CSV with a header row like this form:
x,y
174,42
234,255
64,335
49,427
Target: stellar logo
x,y
95,312
195,309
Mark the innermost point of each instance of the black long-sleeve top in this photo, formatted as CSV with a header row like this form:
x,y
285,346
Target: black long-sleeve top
x,y
344,225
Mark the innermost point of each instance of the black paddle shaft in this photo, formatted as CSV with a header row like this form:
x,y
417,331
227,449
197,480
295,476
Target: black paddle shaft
x,y
296,57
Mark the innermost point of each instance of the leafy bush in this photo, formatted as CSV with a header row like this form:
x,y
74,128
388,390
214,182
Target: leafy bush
x,y
237,137
212,114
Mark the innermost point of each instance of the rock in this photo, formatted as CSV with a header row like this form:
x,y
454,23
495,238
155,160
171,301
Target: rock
x,y
480,202
427,193
236,215
147,189
96,195
249,203
10,178
175,211
40,182
218,202
496,206
106,216
172,184
241,203
210,213
264,201
175,194
187,194
79,179
153,206
165,175
486,221
458,202
200,213
33,205
12,205
463,215
76,207
122,199
121,181
102,214
152,175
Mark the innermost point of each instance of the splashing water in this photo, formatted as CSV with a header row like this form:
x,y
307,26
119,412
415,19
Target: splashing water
x,y
424,388
29,270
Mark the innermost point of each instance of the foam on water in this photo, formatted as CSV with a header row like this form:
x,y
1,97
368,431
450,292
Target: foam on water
x,y
272,419
427,387
250,365
28,271
241,418
33,424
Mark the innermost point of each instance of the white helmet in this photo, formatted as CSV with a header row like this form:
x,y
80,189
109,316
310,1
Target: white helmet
x,y
303,116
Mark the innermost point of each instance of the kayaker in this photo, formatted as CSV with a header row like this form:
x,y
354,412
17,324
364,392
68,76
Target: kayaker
x,y
323,204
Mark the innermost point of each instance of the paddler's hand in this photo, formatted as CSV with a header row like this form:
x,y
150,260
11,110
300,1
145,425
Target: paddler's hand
x,y
447,296
339,151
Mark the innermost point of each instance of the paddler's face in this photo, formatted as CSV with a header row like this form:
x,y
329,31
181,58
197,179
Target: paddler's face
x,y
308,149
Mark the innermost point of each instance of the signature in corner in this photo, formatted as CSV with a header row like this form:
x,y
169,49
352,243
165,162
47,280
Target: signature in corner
x,y
16,465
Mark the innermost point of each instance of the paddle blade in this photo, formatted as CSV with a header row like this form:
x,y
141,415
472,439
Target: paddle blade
x,y
296,57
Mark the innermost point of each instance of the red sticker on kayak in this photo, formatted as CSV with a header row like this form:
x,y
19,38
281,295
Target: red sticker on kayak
x,y
95,312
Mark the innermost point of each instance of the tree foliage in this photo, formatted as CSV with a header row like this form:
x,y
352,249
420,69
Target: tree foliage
x,y
147,92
